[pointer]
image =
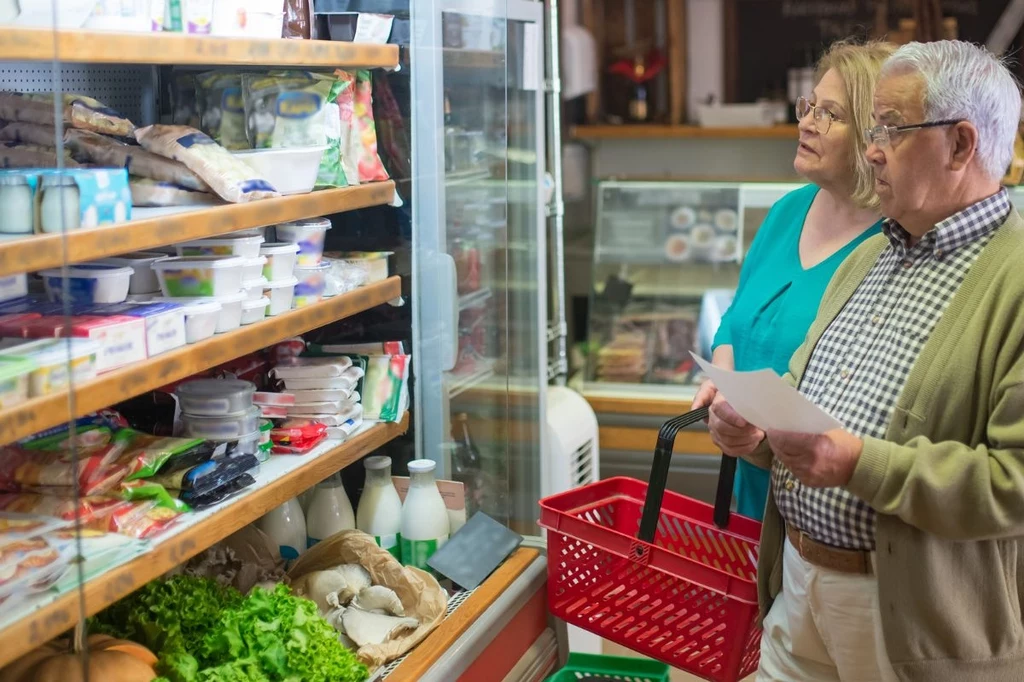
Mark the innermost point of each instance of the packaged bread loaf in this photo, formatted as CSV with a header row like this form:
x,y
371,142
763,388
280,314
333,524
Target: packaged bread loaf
x,y
78,111
105,151
229,178
149,192
29,133
15,155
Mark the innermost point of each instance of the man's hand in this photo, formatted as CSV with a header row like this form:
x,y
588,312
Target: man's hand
x,y
819,461
733,434
705,395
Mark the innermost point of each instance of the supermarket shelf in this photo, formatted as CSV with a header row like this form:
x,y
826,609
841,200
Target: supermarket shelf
x,y
42,618
102,47
111,388
25,254
661,132
475,298
464,382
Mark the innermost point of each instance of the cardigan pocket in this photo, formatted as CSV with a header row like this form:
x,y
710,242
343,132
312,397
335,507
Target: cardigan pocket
x,y
906,423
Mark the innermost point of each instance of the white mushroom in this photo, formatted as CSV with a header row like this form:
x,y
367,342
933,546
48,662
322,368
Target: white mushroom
x,y
356,580
371,628
317,585
377,597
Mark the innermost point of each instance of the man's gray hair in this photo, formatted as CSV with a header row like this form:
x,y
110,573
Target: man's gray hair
x,y
966,81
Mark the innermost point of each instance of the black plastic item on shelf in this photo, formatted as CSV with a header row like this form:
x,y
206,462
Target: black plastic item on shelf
x,y
338,19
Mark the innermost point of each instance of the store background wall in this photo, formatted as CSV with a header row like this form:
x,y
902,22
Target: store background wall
x,y
687,159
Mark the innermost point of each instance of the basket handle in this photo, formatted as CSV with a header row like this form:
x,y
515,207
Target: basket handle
x,y
659,476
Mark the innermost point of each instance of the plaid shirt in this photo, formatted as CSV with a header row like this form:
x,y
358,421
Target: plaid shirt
x,y
857,370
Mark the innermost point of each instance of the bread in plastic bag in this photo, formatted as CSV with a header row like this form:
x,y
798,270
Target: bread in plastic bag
x,y
221,108
79,111
147,192
29,133
231,179
89,147
15,155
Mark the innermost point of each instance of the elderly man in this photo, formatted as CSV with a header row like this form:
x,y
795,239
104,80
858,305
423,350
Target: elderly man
x,y
894,549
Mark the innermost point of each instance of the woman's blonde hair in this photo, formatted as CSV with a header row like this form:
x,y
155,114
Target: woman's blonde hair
x,y
859,66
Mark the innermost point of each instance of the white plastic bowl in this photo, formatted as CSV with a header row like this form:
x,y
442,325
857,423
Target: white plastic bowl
x,y
143,279
310,285
280,294
195,276
310,235
230,315
88,283
201,320
254,311
246,246
290,171
254,288
281,257
252,268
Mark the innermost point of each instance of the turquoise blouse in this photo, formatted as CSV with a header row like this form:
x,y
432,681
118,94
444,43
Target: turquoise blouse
x,y
775,303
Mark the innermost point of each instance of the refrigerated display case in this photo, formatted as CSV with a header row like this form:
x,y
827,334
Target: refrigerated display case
x,y
479,248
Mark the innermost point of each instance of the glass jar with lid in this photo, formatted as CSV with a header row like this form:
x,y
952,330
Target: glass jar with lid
x,y
59,209
17,207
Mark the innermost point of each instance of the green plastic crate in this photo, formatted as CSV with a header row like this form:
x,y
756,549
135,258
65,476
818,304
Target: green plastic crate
x,y
583,666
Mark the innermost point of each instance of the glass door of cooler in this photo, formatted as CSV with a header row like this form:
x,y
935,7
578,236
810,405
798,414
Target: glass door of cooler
x,y
479,249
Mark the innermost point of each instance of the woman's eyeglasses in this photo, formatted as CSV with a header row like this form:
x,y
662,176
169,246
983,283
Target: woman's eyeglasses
x,y
822,117
882,136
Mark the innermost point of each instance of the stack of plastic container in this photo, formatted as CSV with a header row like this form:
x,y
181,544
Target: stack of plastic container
x,y
279,273
310,270
220,410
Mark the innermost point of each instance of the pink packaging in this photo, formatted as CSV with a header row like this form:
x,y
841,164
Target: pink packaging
x,y
12,326
43,328
123,339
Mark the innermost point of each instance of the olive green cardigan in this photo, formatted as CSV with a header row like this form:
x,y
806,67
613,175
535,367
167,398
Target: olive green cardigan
x,y
947,481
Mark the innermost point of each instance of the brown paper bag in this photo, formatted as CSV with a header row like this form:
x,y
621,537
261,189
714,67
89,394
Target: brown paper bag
x,y
421,594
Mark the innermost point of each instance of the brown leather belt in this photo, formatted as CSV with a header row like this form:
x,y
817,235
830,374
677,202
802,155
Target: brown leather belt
x,y
832,558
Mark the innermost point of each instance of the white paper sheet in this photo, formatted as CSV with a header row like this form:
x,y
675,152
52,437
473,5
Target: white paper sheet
x,y
768,402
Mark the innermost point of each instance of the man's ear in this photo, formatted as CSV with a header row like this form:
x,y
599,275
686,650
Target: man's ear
x,y
964,145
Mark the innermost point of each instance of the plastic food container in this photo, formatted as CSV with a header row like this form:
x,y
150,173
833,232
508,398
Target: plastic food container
x,y
201,320
244,246
14,286
242,426
88,283
199,276
14,380
312,282
309,235
280,294
291,171
143,279
230,315
252,268
215,397
53,371
254,311
254,289
281,257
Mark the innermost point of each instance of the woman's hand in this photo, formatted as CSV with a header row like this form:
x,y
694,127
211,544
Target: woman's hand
x,y
729,431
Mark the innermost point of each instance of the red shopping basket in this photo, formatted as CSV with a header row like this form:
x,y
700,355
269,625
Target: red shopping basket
x,y
665,575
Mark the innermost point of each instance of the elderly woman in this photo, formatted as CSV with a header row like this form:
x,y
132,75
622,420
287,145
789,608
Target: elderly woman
x,y
806,235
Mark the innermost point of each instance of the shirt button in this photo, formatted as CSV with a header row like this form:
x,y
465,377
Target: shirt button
x,y
875,319
790,485
938,253
907,264
844,373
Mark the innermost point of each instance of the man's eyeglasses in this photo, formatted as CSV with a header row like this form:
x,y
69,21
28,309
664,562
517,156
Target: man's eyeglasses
x,y
822,117
882,136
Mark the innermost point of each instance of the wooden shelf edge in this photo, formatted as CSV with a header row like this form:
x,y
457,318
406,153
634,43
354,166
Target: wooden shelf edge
x,y
108,47
660,132
108,389
430,650
42,251
51,620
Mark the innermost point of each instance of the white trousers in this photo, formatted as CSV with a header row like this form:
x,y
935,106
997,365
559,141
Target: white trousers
x,y
824,626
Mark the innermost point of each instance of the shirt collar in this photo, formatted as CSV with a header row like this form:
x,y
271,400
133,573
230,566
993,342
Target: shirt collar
x,y
960,229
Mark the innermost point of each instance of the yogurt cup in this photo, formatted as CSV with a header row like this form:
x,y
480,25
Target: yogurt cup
x,y
312,282
222,428
281,257
309,235
215,397
280,294
199,276
244,246
201,320
143,279
88,283
254,288
230,315
252,268
254,311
